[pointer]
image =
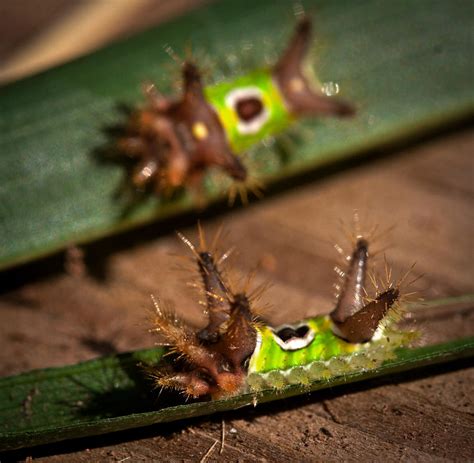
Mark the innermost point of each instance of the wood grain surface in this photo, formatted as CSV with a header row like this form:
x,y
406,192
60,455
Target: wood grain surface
x,y
64,309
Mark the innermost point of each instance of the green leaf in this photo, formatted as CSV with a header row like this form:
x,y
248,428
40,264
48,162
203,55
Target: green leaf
x,y
406,64
112,394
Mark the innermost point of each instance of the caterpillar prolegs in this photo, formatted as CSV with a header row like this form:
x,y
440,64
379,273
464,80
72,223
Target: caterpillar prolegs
x,y
236,352
176,140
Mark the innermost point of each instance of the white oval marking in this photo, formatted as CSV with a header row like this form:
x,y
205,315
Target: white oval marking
x,y
243,93
294,343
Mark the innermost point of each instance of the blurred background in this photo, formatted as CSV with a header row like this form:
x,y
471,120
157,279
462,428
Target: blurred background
x,y
38,34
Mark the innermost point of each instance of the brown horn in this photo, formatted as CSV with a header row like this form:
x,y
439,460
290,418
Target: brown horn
x,y
300,95
217,302
239,340
210,144
351,298
361,326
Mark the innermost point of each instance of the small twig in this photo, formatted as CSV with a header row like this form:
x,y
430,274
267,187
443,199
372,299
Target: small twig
x,y
330,412
222,437
208,453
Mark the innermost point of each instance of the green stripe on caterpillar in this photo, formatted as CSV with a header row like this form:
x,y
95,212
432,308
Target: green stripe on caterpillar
x,y
175,140
236,352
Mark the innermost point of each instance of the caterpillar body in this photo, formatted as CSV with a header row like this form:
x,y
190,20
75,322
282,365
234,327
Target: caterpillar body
x,y
237,353
175,140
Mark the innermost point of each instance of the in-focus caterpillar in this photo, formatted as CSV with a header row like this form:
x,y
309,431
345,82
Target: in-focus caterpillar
x,y
175,140
237,353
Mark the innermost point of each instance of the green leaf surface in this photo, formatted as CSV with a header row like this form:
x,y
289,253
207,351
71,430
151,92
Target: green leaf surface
x,y
406,64
107,395
112,393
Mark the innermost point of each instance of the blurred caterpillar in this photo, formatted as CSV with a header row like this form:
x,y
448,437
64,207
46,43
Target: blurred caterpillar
x,y
175,140
236,353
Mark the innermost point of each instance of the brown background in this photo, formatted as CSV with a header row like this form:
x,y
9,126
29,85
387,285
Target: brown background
x,y
52,312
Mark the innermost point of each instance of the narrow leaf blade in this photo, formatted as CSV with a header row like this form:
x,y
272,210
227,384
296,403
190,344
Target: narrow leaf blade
x,y
405,64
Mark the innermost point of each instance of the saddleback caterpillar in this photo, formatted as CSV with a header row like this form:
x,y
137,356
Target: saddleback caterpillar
x,y
176,139
236,352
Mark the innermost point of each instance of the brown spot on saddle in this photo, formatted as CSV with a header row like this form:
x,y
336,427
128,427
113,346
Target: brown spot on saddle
x,y
249,108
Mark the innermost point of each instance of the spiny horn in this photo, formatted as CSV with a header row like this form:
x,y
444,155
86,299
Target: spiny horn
x,y
300,94
216,296
351,298
361,326
239,340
